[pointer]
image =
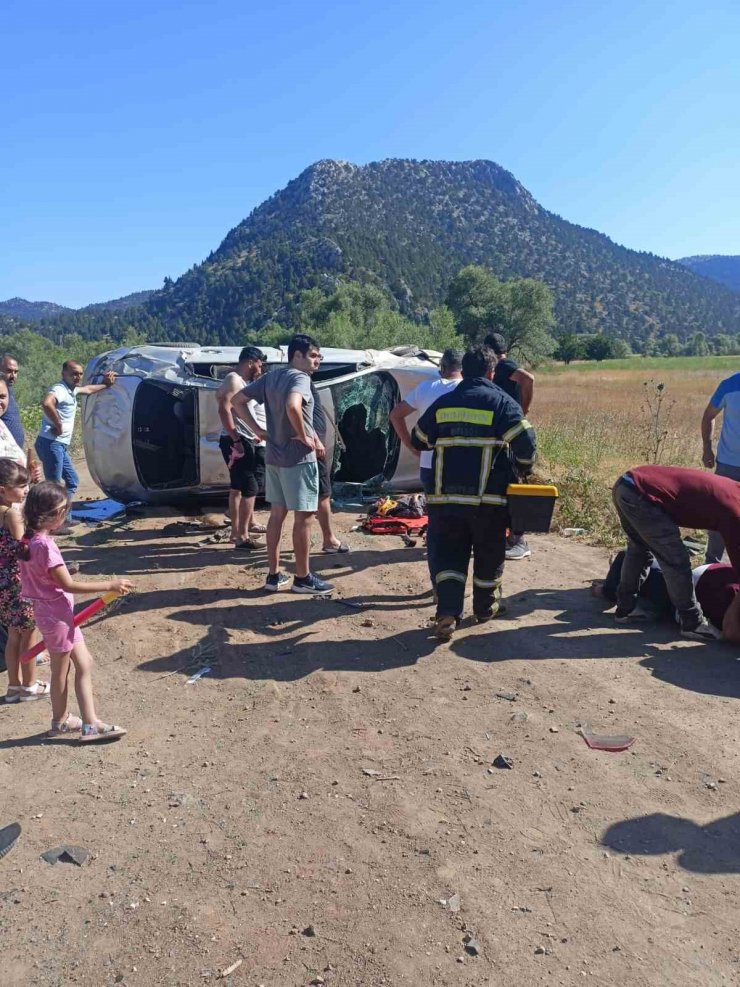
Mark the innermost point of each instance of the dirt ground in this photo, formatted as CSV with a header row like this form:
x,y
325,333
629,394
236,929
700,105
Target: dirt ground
x,y
322,802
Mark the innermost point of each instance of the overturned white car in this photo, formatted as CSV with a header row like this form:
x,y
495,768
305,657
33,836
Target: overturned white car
x,y
154,435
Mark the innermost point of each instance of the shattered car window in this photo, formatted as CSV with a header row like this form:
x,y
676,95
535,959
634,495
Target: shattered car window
x,y
371,446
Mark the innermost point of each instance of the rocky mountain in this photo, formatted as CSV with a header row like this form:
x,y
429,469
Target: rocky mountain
x,y
31,312
408,227
724,268
19,308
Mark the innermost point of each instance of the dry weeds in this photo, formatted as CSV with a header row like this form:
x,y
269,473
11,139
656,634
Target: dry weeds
x,y
592,426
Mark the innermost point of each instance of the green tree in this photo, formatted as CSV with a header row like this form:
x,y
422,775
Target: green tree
x,y
521,310
697,345
570,347
599,348
471,297
670,345
621,349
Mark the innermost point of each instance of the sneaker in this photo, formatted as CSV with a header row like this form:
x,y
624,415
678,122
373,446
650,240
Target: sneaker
x,y
629,616
703,631
520,550
312,584
276,581
444,627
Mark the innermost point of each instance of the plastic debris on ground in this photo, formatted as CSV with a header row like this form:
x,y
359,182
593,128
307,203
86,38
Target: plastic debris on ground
x,y
502,761
603,742
96,511
66,854
198,675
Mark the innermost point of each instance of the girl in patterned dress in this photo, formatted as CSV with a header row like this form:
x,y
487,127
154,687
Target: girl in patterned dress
x,y
16,615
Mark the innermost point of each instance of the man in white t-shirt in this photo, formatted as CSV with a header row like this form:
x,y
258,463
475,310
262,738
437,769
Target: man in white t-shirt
x,y
243,451
422,397
57,425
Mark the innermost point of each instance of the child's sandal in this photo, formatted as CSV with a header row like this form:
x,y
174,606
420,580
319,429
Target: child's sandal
x,y
100,732
70,724
39,690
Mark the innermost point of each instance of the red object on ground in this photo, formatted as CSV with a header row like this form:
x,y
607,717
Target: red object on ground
x,y
85,614
377,524
599,742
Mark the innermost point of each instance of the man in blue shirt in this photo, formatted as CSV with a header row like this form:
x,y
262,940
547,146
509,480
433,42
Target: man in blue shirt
x,y
726,399
12,416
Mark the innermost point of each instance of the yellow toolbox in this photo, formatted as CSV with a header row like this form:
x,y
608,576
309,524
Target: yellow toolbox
x,y
531,506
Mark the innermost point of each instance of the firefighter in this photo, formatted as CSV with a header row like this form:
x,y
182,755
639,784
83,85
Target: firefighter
x,y
481,443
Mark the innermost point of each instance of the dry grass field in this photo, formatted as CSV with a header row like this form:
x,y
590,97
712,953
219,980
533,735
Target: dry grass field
x,y
595,420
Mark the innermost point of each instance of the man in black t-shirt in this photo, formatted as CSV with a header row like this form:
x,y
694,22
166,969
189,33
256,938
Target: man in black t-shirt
x,y
518,384
508,375
331,544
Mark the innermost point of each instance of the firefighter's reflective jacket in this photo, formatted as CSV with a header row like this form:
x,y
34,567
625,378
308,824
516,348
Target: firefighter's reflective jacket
x,y
481,440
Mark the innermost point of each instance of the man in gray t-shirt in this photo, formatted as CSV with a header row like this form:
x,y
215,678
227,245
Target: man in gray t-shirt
x,y
275,391
291,473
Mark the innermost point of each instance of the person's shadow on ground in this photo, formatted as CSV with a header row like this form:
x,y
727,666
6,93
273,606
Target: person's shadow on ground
x,y
576,626
710,849
292,650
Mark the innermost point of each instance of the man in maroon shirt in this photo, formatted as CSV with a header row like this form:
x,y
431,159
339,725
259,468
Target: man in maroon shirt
x,y
653,503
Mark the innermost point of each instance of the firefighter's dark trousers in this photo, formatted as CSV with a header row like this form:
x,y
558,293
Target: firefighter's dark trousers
x,y
451,538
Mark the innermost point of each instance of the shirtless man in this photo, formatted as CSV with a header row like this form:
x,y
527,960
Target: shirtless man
x,y
243,451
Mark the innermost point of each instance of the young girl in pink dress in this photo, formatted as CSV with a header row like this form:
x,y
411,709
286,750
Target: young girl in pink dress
x,y
50,588
16,615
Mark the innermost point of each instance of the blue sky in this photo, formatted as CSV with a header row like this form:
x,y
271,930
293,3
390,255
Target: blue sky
x,y
136,135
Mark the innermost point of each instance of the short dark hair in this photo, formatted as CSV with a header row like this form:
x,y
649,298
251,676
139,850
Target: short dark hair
x,y
71,363
478,361
45,500
302,343
496,342
451,359
252,353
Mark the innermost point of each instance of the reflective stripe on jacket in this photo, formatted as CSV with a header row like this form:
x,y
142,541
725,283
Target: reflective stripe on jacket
x,y
475,432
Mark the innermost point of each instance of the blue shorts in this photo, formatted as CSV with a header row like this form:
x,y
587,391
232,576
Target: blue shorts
x,y
293,487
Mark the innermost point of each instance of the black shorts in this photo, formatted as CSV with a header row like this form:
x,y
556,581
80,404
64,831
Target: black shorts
x,y
324,479
248,472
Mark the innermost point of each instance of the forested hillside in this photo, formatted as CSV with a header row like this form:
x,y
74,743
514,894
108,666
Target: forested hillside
x,y
407,228
718,267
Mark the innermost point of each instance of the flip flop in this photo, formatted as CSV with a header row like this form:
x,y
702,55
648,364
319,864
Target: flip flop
x,y
8,838
341,549
258,529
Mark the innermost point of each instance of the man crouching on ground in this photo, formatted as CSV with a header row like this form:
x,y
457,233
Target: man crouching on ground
x,y
653,504
472,430
291,472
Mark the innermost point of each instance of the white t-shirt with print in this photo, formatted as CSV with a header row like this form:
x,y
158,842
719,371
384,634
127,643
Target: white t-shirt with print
x,y
422,397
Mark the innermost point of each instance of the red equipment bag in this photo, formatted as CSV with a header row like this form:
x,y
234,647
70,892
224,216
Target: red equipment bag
x,y
377,524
